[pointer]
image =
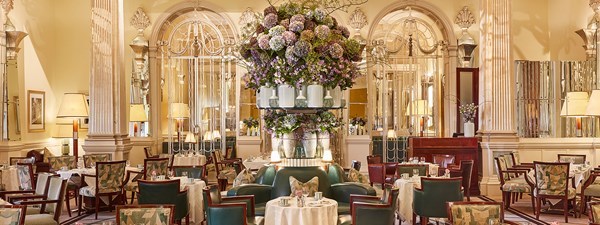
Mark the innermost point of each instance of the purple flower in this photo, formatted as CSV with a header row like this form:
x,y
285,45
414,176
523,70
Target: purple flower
x,y
263,41
289,55
309,25
301,48
270,10
322,32
285,23
289,38
297,18
276,43
319,14
336,51
296,26
345,31
307,35
270,20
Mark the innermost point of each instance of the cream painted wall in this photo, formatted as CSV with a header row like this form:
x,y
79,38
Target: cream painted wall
x,y
530,30
564,18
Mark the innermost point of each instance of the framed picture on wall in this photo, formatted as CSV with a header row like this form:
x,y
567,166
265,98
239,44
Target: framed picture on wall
x,y
84,123
36,111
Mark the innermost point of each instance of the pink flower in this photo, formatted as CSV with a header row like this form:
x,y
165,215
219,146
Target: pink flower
x,y
298,193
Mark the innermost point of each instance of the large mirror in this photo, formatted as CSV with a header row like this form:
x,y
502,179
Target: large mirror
x,y
467,89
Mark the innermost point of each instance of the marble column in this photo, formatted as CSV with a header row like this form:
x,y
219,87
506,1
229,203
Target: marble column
x,y
496,85
108,122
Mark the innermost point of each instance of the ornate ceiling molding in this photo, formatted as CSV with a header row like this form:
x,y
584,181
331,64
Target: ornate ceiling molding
x,y
358,19
465,18
140,20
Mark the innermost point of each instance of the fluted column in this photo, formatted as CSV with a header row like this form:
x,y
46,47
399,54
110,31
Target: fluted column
x,y
497,127
108,122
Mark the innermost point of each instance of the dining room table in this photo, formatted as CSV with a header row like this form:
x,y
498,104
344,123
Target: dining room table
x,y
404,203
186,159
195,197
255,163
322,212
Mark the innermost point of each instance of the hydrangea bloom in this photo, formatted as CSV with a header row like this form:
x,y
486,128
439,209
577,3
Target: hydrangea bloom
x,y
289,38
270,20
276,43
276,30
336,51
301,48
307,35
296,26
263,41
319,14
297,18
322,32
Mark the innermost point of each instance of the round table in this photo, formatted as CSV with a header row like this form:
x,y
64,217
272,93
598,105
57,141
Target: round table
x,y
256,163
189,160
405,197
195,198
312,213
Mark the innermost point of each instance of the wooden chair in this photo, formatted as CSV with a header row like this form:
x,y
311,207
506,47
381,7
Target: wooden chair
x,y
160,166
590,188
109,182
50,209
517,160
20,159
371,210
552,182
430,200
40,191
13,214
464,171
574,158
165,192
511,183
476,213
25,176
374,159
74,183
148,152
594,213
224,167
145,214
196,172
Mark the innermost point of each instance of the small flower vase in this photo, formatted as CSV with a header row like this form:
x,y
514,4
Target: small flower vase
x,y
286,96
328,100
274,100
301,101
469,129
324,140
289,145
263,95
275,142
249,131
336,93
309,142
315,96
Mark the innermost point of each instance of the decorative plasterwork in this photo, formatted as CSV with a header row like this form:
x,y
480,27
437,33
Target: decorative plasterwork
x,y
248,17
7,6
358,19
465,18
595,4
140,20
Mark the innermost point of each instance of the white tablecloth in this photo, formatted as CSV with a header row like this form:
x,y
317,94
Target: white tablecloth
x,y
405,198
10,179
326,214
433,168
195,198
256,163
189,160
581,175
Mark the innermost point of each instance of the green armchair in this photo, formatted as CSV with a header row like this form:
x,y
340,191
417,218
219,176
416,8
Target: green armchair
x,y
165,192
229,210
430,200
372,210
196,172
281,187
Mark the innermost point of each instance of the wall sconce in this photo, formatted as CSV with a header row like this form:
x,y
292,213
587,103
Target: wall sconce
x,y
13,39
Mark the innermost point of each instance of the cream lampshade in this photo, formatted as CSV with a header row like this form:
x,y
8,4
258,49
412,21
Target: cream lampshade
x,y
137,113
190,138
275,157
180,110
391,134
575,105
327,156
75,106
419,107
593,107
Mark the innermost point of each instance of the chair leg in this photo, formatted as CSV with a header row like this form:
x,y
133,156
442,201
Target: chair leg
x,y
424,220
414,218
132,197
79,205
506,199
566,210
538,205
97,205
187,219
521,195
68,204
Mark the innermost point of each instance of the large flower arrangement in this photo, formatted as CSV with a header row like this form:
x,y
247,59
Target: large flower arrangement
x,y
468,111
250,122
299,44
278,122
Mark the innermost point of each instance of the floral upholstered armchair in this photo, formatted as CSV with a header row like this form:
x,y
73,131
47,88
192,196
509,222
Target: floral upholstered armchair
x,y
465,213
109,182
145,214
552,182
12,214
58,162
91,159
513,181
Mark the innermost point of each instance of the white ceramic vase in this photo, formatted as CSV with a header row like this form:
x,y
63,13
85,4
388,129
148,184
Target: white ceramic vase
x,y
287,96
324,140
469,129
275,143
336,93
309,141
289,145
263,95
314,95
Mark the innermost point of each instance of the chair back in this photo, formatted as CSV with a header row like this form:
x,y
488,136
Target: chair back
x,y
148,152
196,172
57,162
266,175
390,168
336,174
145,214
109,176
157,192
12,214
41,183
356,165
500,167
90,160
594,212
21,159
56,191
25,176
158,165
572,158
509,161
408,168
374,159
551,178
475,212
435,193
443,160
376,173
217,156
515,157
466,169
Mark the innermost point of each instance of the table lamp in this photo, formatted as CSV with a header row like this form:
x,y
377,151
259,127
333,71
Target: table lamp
x,y
391,134
327,156
74,106
137,113
575,105
179,112
420,108
64,131
190,138
275,157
